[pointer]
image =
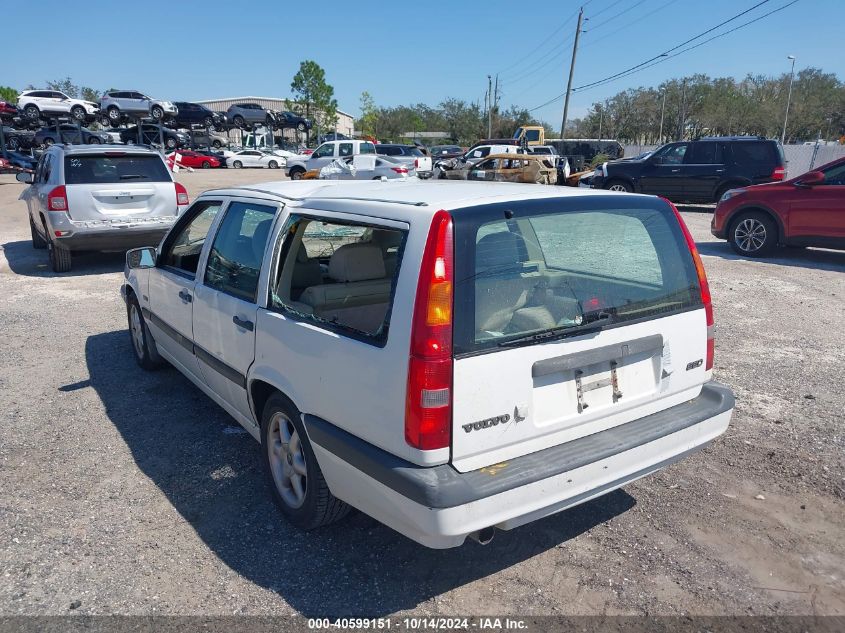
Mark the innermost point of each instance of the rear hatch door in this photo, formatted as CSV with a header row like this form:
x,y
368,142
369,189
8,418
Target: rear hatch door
x,y
118,187
572,315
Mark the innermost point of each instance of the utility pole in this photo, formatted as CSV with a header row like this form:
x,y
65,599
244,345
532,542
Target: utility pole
x,y
496,96
571,73
788,99
601,119
682,112
662,111
489,106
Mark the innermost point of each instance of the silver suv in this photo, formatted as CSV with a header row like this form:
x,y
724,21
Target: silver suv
x,y
116,103
242,114
88,198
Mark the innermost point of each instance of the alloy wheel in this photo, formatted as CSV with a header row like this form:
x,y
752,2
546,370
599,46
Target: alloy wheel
x,y
137,330
750,235
287,460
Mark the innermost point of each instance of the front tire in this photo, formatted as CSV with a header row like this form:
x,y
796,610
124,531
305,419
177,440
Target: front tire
x,y
170,143
217,144
273,164
238,121
300,127
237,164
206,164
297,483
146,352
78,113
297,174
753,234
157,113
114,115
13,144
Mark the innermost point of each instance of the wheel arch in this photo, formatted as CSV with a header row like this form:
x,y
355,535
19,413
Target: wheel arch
x,y
751,208
631,182
264,385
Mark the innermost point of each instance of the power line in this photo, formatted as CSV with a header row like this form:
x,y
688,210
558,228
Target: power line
x,y
627,25
613,17
674,48
540,45
608,7
661,58
708,40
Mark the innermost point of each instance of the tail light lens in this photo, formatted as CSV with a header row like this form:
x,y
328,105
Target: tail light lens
x,y
416,163
399,170
181,195
428,406
706,299
779,173
57,199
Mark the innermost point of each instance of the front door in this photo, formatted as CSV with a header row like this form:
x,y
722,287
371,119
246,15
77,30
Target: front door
x,y
322,156
662,175
173,282
817,214
225,303
703,170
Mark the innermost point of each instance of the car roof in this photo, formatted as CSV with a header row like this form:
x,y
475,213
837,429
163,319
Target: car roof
x,y
516,156
441,194
100,149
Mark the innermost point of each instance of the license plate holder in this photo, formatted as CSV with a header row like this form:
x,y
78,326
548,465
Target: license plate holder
x,y
582,387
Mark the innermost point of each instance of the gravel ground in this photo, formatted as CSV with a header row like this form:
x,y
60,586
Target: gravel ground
x,y
131,493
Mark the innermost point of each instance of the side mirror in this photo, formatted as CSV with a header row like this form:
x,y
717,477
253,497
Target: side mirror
x,y
141,257
812,179
24,177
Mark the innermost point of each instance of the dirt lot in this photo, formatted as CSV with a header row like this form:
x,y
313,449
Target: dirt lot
x,y
128,492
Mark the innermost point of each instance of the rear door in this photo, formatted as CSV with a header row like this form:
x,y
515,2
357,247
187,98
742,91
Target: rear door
x,y
703,170
525,376
225,303
172,283
118,186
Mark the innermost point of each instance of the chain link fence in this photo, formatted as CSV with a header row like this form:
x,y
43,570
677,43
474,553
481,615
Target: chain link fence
x,y
799,158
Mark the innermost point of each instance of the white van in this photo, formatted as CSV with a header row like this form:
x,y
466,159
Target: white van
x,y
450,358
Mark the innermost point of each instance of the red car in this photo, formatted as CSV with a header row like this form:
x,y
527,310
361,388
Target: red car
x,y
194,160
805,211
8,110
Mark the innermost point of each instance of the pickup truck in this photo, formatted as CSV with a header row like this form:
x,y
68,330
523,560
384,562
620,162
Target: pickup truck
x,y
325,154
409,155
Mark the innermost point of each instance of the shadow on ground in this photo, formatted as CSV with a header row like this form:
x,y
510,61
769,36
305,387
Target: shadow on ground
x,y
25,260
209,471
818,259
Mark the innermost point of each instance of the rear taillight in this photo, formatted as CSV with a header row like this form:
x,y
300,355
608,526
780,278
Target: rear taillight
x,y
57,199
706,299
181,195
779,173
399,170
416,163
428,406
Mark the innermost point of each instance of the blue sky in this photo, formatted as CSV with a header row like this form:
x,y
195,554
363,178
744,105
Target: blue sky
x,y
410,52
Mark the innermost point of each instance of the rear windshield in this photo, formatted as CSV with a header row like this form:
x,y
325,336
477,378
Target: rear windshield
x,y
414,151
88,169
554,266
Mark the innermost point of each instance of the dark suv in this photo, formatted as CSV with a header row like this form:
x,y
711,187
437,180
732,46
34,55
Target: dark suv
x,y
696,171
195,114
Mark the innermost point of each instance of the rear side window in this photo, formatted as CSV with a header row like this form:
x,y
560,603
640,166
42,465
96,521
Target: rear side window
x,y
388,151
413,151
101,169
553,267
704,153
340,276
754,152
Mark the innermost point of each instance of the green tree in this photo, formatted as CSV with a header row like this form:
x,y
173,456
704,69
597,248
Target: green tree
x,y
8,94
310,89
65,85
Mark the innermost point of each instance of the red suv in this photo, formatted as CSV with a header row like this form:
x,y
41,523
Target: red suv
x,y
805,211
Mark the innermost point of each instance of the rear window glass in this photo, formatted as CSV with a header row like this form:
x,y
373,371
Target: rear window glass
x,y
553,269
751,152
414,151
88,169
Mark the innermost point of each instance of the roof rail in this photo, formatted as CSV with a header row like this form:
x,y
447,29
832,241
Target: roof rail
x,y
405,202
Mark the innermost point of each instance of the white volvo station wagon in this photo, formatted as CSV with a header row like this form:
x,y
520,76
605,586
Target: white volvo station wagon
x,y
450,358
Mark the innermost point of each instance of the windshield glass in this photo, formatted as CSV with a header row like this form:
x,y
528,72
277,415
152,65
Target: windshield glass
x,y
558,268
518,133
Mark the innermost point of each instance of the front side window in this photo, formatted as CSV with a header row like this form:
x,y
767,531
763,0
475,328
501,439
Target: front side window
x,y
183,247
324,151
672,155
532,135
560,267
835,175
345,149
234,262
338,275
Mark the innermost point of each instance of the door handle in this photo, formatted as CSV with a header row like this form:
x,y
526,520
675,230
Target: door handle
x,y
185,296
247,325
675,171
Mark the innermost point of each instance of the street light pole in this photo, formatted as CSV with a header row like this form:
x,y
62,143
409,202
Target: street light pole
x,y
662,111
788,99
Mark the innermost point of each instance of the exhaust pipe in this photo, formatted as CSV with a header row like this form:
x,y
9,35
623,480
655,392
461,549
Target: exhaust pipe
x,y
483,536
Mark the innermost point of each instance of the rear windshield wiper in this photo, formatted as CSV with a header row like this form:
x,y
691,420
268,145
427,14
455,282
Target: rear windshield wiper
x,y
592,322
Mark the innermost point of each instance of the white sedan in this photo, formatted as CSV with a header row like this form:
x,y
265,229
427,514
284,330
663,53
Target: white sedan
x,y
254,158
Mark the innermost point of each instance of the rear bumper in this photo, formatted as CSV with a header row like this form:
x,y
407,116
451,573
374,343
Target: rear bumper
x,y
438,506
105,235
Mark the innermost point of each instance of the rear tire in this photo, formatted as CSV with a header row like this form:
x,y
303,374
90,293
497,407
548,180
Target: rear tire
x,y
146,352
293,474
723,189
753,234
217,144
32,112
13,144
170,143
114,115
38,242
300,127
620,186
59,256
238,121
